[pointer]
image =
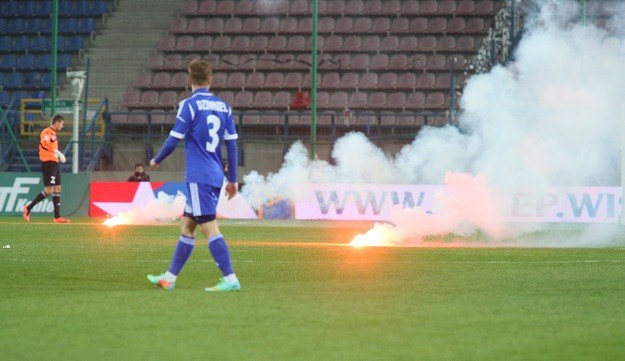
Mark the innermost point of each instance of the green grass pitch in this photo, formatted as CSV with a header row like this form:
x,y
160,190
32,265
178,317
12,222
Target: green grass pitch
x,y
78,292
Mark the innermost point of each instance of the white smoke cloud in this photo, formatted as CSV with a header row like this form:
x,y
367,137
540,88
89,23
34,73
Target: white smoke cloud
x,y
553,117
163,208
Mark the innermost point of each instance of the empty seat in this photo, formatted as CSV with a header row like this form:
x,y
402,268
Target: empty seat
x,y
255,80
236,80
389,80
352,43
377,100
262,99
119,118
196,26
227,96
437,62
203,43
466,44
225,7
398,61
185,43
415,100
360,61
240,43
332,7
485,8
475,25
172,61
362,25
371,43
222,43
293,80
408,44
379,62
426,81
243,99
343,26
249,25
244,7
325,25
282,99
167,99
274,80
354,7
270,25
149,99
392,43
368,81
381,25
446,7
330,80
396,101
288,25
427,43
297,43
442,81
435,100
358,100
219,80
276,44
400,25
465,7
429,7
456,25
350,80
437,25
214,25
179,80
372,7
446,44
338,100
299,7
25,62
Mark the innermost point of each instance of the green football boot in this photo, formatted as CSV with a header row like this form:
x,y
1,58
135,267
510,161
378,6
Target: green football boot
x,y
224,286
160,281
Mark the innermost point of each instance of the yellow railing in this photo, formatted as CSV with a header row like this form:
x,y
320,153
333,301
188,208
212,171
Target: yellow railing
x,y
32,119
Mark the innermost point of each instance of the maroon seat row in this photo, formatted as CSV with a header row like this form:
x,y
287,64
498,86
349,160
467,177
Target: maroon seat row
x,y
283,100
285,62
328,25
339,8
328,44
275,81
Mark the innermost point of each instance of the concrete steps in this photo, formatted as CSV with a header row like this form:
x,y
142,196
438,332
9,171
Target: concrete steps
x,y
123,45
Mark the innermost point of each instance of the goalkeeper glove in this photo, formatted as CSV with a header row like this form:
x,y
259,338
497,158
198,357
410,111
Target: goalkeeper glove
x,y
60,156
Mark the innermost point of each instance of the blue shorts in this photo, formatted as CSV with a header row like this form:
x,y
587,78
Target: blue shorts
x,y
202,202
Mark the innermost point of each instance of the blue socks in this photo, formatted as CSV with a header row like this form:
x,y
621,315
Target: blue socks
x,y
221,255
181,254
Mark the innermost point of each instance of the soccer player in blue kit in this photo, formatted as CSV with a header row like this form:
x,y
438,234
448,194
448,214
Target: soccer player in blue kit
x,y
203,121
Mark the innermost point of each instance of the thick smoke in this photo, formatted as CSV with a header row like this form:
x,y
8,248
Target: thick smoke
x,y
553,117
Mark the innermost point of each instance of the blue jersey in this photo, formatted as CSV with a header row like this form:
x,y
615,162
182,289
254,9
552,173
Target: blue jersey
x,y
203,121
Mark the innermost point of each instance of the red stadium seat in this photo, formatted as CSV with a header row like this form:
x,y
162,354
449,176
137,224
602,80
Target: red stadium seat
x,y
233,26
281,100
243,99
349,80
203,43
249,26
255,80
131,98
400,25
354,7
368,81
161,80
180,80
149,99
196,26
435,101
274,80
377,100
379,62
168,99
358,100
415,100
426,81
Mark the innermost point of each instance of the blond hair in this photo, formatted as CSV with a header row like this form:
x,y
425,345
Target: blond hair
x,y
200,72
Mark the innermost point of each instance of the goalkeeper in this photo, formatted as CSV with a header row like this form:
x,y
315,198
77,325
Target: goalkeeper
x,y
49,155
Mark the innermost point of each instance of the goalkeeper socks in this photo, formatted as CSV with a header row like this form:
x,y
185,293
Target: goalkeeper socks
x,y
41,196
181,254
221,255
56,201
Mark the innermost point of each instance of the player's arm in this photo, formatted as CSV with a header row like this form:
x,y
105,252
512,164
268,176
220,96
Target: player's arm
x,y
183,120
233,161
168,147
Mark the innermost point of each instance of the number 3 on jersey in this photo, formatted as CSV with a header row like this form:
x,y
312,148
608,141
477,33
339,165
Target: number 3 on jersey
x,y
213,123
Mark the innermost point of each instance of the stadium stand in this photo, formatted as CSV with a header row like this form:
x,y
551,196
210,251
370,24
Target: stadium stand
x,y
25,43
373,55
